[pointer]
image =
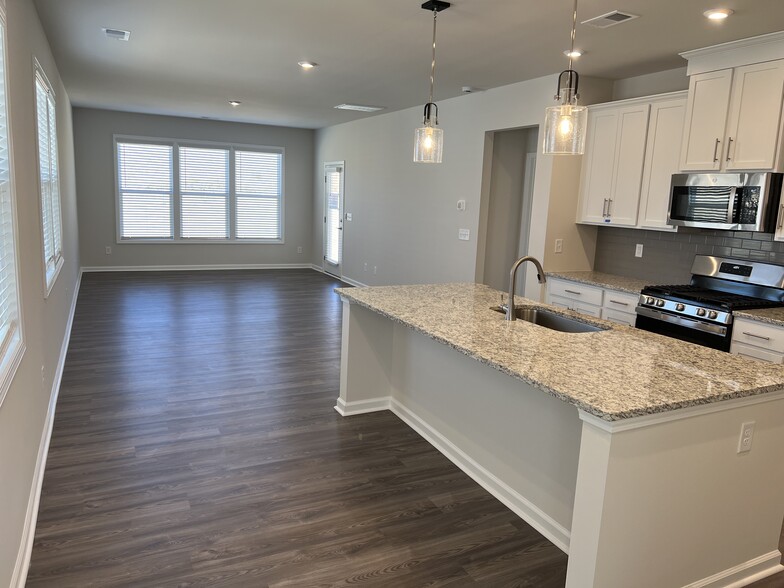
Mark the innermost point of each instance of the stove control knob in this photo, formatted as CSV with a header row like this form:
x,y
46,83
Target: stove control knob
x,y
713,314
650,300
660,302
680,307
700,312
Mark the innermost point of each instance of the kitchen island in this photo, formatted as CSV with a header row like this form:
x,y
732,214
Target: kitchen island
x,y
620,446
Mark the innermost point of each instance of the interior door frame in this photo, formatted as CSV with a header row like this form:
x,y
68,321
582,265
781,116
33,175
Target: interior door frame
x,y
329,268
526,205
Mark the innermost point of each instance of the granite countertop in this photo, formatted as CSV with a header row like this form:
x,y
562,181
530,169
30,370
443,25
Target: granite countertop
x,y
615,374
772,316
613,282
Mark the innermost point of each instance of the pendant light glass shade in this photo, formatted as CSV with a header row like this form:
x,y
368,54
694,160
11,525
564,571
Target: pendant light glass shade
x,y
564,129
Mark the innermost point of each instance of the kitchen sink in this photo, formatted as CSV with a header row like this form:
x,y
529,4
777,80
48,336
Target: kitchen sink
x,y
550,320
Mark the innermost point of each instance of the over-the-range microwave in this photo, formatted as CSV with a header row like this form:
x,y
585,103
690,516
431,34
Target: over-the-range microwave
x,y
737,202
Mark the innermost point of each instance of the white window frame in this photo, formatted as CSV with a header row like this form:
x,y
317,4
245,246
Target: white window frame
x,y
176,194
12,352
50,275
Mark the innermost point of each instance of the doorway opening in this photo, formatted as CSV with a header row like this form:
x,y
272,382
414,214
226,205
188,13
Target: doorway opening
x,y
507,198
333,218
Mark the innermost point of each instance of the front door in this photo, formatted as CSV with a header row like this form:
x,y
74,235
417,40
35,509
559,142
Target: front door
x,y
333,218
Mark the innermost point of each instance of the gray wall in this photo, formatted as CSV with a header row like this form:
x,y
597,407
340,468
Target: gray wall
x,y
667,257
670,80
24,409
93,131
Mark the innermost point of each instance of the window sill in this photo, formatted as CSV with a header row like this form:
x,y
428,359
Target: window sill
x,y
10,363
51,277
200,242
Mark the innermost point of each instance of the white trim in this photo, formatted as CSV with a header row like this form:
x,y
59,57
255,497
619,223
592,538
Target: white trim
x,y
678,414
340,167
175,268
759,49
353,282
362,406
513,500
743,574
19,575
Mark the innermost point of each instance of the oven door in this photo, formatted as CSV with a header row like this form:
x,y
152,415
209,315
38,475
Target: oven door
x,y
703,206
684,328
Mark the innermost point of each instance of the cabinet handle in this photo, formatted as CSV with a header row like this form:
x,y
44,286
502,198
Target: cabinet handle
x,y
756,336
573,292
604,209
729,148
716,151
618,302
781,215
609,205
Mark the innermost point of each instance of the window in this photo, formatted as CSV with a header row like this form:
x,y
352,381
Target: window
x,y
189,192
49,181
11,346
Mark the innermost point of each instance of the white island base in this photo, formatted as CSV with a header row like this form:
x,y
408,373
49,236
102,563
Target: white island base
x,y
657,501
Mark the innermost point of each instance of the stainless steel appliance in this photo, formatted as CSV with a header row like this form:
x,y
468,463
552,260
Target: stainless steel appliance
x,y
701,311
740,202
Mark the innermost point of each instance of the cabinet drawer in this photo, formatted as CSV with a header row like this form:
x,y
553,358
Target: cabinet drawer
x,y
757,353
576,291
620,301
615,316
576,305
767,337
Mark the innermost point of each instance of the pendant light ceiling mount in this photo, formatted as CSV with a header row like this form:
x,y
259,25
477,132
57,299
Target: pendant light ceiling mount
x,y
429,139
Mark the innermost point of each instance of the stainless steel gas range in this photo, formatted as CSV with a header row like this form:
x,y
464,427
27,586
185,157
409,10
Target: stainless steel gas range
x,y
701,311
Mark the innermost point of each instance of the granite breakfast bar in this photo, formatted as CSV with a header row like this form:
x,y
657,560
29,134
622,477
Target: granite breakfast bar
x,y
620,446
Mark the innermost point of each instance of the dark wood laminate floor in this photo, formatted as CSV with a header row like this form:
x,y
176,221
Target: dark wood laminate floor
x,y
195,444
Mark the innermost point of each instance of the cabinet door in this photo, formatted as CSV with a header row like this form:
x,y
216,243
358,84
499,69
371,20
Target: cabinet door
x,y
706,120
598,162
755,117
629,160
662,156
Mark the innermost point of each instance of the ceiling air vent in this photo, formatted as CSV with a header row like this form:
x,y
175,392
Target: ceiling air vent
x,y
360,107
117,34
610,19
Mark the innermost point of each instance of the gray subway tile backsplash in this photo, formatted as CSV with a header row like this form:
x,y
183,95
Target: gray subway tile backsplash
x,y
667,257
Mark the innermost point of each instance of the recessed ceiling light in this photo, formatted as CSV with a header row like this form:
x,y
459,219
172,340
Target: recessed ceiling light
x,y
117,34
235,103
718,13
306,64
359,107
573,54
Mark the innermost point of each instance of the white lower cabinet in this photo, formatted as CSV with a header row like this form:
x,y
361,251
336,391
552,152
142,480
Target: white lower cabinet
x,y
756,340
611,305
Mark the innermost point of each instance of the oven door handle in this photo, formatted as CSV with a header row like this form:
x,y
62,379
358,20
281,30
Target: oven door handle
x,y
682,321
731,207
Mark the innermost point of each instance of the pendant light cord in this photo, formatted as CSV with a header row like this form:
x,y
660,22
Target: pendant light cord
x,y
574,31
433,64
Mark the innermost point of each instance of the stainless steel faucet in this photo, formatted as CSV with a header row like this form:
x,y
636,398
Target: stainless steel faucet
x,y
510,307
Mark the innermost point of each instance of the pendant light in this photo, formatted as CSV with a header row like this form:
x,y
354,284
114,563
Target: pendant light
x,y
429,139
564,125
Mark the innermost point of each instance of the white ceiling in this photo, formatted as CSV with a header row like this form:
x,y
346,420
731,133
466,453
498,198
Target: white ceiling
x,y
189,57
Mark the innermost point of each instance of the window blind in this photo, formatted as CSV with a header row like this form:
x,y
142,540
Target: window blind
x,y
144,173
10,332
204,193
332,253
258,180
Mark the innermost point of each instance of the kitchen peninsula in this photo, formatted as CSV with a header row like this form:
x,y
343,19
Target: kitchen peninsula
x,y
620,446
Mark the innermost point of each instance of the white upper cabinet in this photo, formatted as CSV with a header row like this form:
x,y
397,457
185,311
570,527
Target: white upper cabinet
x,y
706,120
612,166
734,113
754,124
662,156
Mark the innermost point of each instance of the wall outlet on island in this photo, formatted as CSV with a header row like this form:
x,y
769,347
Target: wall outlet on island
x,y
463,234
638,250
375,270
299,249
365,266
108,250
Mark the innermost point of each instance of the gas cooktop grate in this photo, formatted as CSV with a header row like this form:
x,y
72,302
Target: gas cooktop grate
x,y
709,297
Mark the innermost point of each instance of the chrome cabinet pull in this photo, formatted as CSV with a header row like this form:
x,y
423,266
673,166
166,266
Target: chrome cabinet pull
x,y
781,215
729,148
609,204
573,292
604,209
756,336
618,302
716,151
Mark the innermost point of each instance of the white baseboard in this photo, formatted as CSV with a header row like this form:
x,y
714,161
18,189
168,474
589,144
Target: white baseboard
x,y
744,574
175,268
512,499
19,576
362,406
343,279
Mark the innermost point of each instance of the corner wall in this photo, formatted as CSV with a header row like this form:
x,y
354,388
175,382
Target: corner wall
x,y
24,412
405,217
94,130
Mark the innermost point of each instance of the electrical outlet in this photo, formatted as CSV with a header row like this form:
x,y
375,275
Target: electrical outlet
x,y
638,250
461,205
299,249
375,270
559,245
746,437
464,234
365,266
108,250
349,217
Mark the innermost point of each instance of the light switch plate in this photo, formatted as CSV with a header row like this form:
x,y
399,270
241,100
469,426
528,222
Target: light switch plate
x,y
348,216
559,245
463,234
